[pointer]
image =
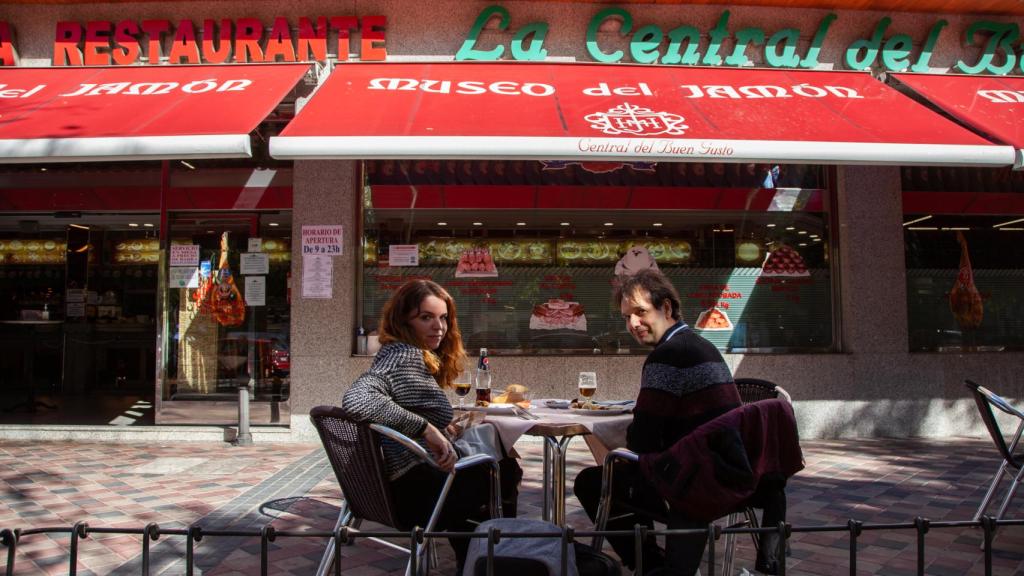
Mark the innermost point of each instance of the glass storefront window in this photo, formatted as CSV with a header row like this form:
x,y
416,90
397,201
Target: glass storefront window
x,y
228,311
963,232
78,305
530,250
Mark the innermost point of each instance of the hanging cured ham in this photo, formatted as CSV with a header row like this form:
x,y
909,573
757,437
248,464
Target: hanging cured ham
x,y
964,298
218,295
228,305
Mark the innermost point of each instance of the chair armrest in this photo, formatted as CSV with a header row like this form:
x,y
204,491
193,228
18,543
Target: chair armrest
x,y
621,454
1001,403
604,502
474,460
406,442
421,453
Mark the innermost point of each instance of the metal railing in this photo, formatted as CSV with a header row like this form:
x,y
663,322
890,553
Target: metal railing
x,y
11,538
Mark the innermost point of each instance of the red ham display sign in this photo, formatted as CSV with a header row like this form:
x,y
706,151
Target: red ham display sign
x,y
137,113
992,105
622,112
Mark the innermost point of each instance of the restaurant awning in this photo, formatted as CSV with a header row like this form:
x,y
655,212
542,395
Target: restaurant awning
x,y
622,112
991,105
138,112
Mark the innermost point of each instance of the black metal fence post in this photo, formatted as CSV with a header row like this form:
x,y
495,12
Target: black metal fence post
x,y
152,531
785,530
340,537
493,536
639,535
988,525
80,530
9,538
855,528
567,535
195,534
415,539
267,535
921,524
714,532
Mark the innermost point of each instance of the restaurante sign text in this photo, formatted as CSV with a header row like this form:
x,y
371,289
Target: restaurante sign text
x,y
99,43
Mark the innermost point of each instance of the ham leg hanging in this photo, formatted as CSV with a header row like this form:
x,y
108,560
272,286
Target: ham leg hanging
x,y
228,305
964,298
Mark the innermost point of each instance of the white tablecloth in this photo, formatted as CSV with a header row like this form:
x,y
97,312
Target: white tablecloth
x,y
610,430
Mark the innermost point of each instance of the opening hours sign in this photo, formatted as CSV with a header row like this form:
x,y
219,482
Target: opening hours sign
x,y
322,240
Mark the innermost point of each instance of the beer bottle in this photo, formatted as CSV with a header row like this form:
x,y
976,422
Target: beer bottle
x,y
482,379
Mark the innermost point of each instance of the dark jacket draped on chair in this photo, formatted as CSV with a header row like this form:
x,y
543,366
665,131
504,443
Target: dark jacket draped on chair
x,y
718,467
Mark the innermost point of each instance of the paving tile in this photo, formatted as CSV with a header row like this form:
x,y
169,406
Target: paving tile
x,y
218,486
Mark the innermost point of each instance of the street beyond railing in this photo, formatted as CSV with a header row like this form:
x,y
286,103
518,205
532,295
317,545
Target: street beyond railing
x,y
12,538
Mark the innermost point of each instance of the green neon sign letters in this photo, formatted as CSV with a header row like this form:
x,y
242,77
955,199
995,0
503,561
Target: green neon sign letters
x,y
882,49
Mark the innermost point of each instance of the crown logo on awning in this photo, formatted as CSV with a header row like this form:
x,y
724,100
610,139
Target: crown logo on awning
x,y
636,120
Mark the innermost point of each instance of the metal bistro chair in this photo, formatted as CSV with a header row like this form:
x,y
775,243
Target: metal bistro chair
x,y
1012,462
754,389
354,450
751,390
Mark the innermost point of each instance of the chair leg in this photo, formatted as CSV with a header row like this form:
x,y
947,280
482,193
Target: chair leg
x,y
1009,493
432,553
344,518
604,506
991,491
730,546
422,560
751,515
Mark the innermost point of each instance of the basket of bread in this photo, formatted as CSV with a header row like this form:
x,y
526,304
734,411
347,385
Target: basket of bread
x,y
514,394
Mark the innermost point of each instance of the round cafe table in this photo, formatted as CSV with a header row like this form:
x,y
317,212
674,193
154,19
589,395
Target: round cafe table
x,y
558,427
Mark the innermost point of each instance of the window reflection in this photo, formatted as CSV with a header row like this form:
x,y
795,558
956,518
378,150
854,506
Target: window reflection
x,y
530,249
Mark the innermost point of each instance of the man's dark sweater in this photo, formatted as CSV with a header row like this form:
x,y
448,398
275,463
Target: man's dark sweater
x,y
685,383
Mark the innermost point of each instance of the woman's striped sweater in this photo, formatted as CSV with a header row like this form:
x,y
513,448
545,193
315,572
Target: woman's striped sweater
x,y
399,392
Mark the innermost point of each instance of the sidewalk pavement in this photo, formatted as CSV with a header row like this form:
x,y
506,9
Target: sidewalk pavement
x,y
292,487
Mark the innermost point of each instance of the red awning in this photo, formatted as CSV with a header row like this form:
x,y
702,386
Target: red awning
x,y
137,112
622,112
992,105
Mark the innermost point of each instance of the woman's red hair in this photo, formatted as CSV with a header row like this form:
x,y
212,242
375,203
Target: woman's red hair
x,y
446,362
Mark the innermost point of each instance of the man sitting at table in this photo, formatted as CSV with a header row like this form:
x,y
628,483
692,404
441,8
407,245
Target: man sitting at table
x,y
685,382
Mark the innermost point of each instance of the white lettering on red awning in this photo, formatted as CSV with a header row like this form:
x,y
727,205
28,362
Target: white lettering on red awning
x,y
504,88
1002,96
6,92
150,88
766,91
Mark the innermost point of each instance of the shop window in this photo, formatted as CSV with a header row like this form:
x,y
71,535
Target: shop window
x,y
530,250
964,239
78,293
229,306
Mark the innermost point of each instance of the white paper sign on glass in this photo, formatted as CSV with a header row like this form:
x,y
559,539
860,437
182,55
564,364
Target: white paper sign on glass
x,y
255,290
404,255
317,271
183,277
184,254
75,295
255,245
254,263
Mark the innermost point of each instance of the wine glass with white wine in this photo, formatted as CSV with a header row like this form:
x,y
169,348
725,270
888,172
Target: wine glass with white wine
x,y
588,386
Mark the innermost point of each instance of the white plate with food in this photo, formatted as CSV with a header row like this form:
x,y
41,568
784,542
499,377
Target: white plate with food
x,y
494,408
598,410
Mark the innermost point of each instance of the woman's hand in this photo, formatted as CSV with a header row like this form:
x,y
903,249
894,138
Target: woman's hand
x,y
454,430
442,450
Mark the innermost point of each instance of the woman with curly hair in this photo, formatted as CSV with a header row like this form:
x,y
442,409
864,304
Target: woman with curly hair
x,y
420,356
